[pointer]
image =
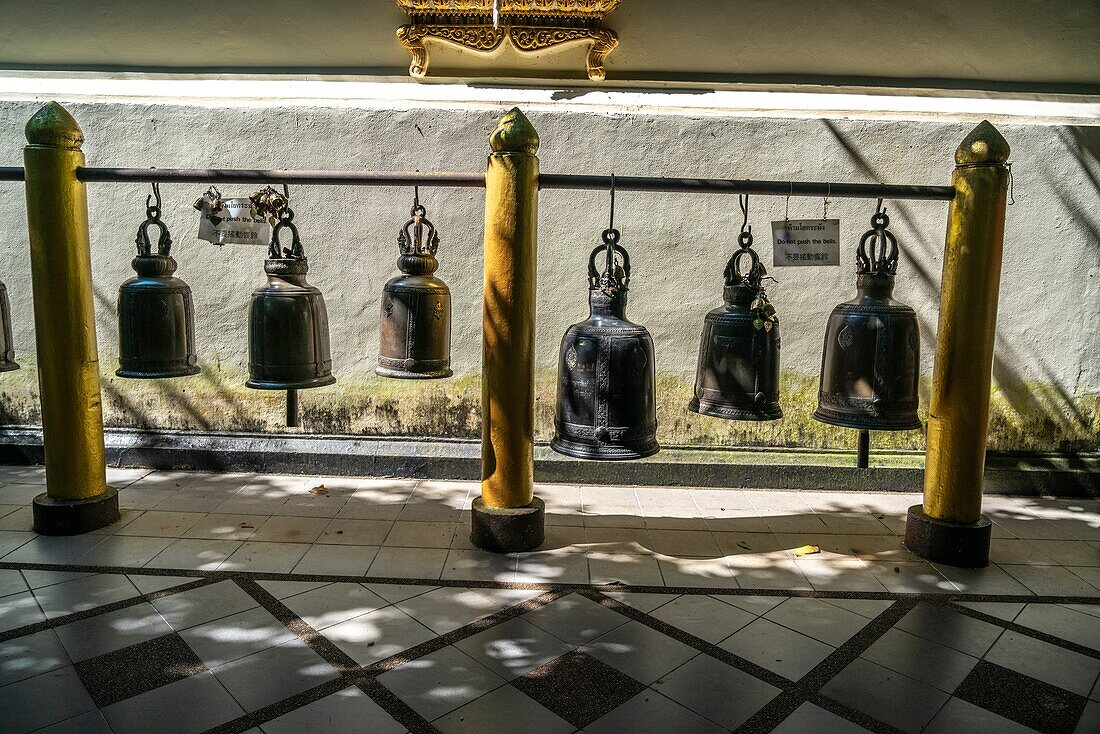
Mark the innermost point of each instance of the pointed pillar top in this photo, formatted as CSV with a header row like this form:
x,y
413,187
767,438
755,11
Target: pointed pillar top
x,y
53,127
514,134
984,144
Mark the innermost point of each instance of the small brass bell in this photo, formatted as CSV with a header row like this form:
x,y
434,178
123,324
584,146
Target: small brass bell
x,y
288,344
156,316
738,373
7,346
606,407
414,338
871,361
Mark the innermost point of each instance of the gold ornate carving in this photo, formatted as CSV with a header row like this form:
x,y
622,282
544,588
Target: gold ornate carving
x,y
528,25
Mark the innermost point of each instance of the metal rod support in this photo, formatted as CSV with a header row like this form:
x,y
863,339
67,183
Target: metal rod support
x,y
863,450
292,408
477,180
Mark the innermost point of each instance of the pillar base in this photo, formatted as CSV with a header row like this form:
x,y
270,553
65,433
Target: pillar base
x,y
952,543
508,529
72,517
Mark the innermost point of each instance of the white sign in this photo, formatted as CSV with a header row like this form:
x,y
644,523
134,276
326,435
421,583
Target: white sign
x,y
806,242
234,224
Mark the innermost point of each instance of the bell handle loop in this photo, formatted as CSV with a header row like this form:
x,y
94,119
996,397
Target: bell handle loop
x,y
593,273
296,249
145,246
419,241
734,274
878,248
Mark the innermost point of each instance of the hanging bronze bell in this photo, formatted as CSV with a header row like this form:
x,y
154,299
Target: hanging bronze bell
x,y
606,407
737,377
7,346
156,316
414,338
871,361
288,344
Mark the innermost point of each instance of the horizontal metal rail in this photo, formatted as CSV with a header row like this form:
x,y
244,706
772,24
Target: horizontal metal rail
x,y
476,180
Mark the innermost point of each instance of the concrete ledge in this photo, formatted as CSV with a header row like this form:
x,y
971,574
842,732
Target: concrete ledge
x,y
761,468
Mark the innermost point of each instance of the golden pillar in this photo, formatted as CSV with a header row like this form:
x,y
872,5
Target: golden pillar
x,y
949,526
77,498
508,517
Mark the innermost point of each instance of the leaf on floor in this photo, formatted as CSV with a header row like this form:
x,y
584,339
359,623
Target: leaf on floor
x,y
319,489
806,550
743,544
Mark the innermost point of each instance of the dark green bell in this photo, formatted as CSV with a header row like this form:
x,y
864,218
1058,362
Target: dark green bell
x,y
288,344
7,348
156,316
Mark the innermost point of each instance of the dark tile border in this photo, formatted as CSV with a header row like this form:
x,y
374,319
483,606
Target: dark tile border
x,y
939,598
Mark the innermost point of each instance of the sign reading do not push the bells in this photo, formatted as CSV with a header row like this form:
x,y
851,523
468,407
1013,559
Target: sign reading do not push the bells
x,y
156,316
288,344
871,360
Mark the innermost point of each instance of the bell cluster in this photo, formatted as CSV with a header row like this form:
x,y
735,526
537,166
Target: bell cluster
x,y
605,405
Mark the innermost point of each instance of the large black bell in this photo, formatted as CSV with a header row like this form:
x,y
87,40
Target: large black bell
x,y
414,338
7,346
606,408
737,377
288,345
156,316
871,361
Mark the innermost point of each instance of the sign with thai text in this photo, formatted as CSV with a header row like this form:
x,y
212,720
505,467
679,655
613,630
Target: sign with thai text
x,y
806,242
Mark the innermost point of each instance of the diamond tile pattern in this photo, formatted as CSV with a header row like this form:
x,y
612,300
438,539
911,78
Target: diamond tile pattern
x,y
427,654
279,610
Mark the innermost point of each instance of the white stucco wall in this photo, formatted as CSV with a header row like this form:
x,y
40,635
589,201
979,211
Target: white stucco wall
x,y
1048,340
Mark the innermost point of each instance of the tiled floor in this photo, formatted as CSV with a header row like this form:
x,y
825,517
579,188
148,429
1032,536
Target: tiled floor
x,y
253,603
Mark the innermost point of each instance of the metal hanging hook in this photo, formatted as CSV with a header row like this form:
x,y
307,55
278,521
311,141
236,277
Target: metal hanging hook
x,y
611,236
153,211
787,204
825,203
611,222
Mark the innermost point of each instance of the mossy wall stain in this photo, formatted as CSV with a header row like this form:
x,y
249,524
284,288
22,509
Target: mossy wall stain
x,y
1033,417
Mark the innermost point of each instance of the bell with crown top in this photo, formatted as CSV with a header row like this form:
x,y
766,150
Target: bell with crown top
x,y
871,360
414,338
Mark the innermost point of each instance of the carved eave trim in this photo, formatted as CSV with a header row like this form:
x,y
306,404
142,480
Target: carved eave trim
x,y
528,26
